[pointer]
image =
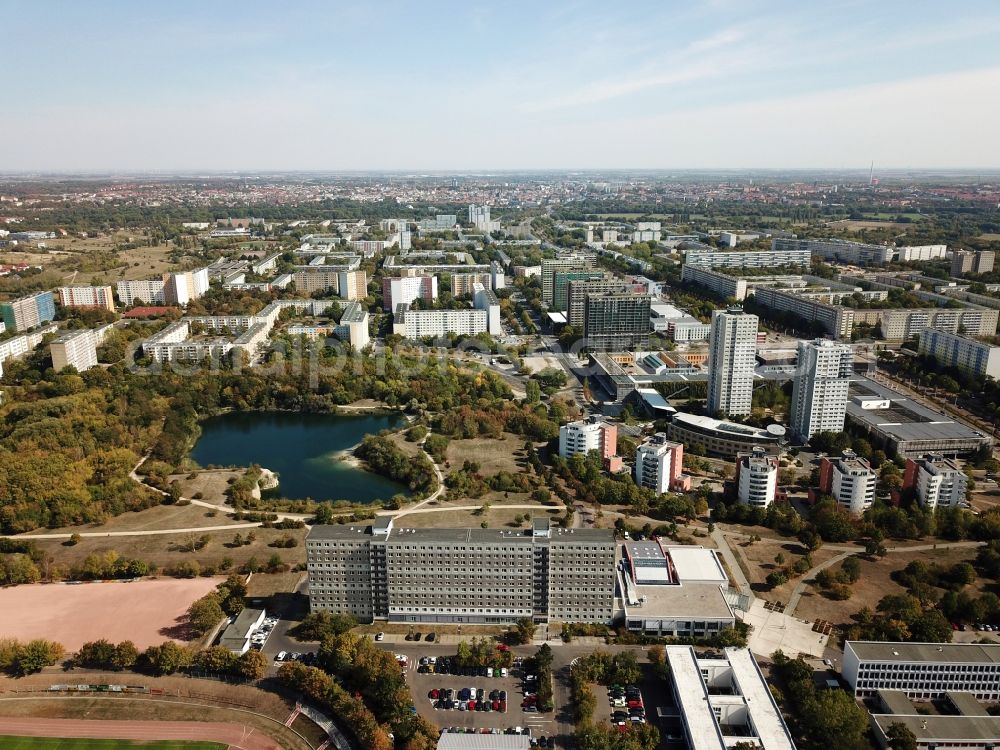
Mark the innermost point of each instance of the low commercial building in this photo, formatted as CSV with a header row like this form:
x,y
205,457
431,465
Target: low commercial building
x,y
717,437
905,427
266,264
688,330
671,590
724,700
968,724
922,671
485,576
850,480
463,741
87,296
237,635
756,478
937,481
953,350
29,312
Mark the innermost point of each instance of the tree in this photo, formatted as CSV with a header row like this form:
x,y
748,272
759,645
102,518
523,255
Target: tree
x,y
775,578
317,626
533,392
524,630
166,658
205,613
35,655
900,737
252,665
125,656
850,569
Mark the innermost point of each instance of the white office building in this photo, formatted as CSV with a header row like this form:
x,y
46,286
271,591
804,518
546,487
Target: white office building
x,y
724,700
757,478
86,296
78,348
850,480
819,388
938,481
146,291
659,463
588,435
485,299
922,671
416,324
479,217
404,290
353,326
731,361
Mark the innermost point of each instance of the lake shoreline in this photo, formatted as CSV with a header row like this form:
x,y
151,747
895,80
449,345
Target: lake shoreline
x,y
312,453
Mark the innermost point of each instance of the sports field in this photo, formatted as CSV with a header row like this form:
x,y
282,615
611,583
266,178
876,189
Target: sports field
x,y
146,612
63,743
42,733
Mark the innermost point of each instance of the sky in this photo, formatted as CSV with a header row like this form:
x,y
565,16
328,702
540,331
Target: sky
x,y
180,85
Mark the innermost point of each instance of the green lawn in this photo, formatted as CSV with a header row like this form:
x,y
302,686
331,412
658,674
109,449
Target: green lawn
x,y
60,743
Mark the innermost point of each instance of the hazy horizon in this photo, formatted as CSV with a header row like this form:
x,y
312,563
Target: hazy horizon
x,y
725,85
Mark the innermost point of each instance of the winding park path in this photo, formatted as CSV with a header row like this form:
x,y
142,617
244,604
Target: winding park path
x,y
810,575
416,508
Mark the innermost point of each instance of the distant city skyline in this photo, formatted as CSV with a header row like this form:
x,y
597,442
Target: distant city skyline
x,y
359,86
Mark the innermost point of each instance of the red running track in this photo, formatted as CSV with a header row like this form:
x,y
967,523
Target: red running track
x,y
234,735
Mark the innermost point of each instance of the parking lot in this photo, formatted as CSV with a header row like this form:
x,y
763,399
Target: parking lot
x,y
421,685
654,694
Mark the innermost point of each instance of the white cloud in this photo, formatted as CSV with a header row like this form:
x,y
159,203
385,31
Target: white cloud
x,y
710,57
934,121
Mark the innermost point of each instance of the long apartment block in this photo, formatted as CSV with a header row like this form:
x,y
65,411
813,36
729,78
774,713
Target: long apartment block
x,y
492,576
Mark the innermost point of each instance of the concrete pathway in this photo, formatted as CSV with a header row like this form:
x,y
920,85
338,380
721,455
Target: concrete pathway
x,y
739,578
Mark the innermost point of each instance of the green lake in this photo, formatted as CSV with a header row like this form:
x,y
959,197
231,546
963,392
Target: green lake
x,y
305,450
